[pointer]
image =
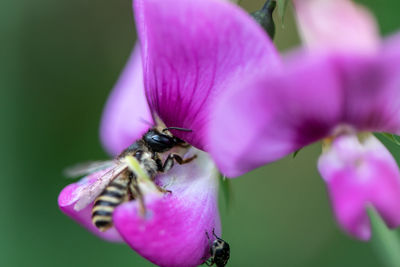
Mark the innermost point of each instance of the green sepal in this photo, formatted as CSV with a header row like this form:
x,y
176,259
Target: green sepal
x,y
264,17
296,152
391,137
226,188
282,5
384,241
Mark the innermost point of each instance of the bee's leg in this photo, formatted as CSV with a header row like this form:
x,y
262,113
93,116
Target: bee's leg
x,y
133,193
182,161
169,162
142,206
160,168
137,195
163,190
159,164
184,145
181,143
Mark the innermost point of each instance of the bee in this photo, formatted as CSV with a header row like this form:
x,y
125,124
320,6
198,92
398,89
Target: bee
x,y
219,251
120,183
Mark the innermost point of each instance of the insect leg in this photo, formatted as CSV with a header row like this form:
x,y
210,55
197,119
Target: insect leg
x,y
137,194
209,262
159,163
169,162
216,235
213,232
184,145
163,190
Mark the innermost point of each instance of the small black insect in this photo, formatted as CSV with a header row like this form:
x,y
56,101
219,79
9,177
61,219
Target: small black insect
x,y
219,251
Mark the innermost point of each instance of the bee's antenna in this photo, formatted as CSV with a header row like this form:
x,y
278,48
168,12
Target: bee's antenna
x,y
177,128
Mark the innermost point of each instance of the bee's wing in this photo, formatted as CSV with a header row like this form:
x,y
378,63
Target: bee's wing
x,y
87,168
88,194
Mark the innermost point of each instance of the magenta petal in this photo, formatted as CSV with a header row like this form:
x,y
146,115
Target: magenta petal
x,y
391,61
126,111
192,51
277,114
67,200
358,175
173,231
391,45
284,111
371,95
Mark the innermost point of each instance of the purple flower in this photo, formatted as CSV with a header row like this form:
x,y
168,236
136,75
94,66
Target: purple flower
x,y
191,52
343,86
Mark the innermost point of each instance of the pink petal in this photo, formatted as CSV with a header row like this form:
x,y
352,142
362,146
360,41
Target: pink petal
x,y
371,91
336,25
126,112
391,45
173,231
67,200
277,114
286,110
359,174
192,51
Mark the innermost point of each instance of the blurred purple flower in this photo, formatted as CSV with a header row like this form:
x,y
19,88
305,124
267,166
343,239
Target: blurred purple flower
x,y
191,52
344,85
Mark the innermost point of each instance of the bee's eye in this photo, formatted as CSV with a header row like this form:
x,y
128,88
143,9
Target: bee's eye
x,y
162,139
159,142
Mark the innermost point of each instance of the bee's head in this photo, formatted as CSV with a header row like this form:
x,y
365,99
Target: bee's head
x,y
161,141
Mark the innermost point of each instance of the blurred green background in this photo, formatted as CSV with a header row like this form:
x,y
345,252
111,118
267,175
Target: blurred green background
x,y
59,60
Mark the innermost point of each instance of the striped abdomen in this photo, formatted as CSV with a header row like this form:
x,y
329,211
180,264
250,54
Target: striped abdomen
x,y
114,194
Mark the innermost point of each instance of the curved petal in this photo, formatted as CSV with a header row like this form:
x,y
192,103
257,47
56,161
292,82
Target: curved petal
x,y
173,231
390,58
371,100
192,51
67,200
359,174
126,112
336,25
276,115
315,94
391,45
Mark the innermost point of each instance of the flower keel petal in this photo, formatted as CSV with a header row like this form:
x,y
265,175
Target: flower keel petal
x,y
173,231
67,200
359,174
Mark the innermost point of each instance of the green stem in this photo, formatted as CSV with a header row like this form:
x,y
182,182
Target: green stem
x,y
385,242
